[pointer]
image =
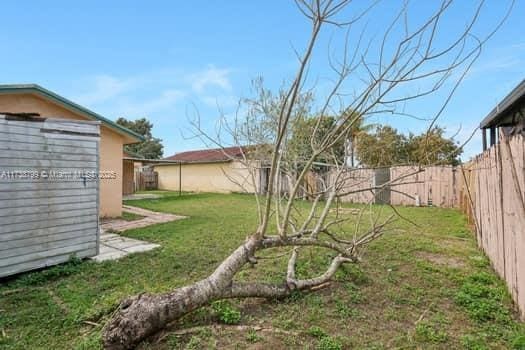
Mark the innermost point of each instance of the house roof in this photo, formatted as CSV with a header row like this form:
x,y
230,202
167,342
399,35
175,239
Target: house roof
x,y
209,155
70,105
504,108
152,161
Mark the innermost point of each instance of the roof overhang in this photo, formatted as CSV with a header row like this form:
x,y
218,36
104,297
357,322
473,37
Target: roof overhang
x,y
152,161
505,108
183,162
128,135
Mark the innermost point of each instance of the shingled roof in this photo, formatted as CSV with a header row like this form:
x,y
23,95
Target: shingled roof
x,y
209,155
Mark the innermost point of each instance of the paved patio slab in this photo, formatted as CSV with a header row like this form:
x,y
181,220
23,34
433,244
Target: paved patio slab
x,y
114,246
138,196
149,218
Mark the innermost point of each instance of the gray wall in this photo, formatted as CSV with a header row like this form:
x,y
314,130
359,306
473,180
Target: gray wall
x,y
44,221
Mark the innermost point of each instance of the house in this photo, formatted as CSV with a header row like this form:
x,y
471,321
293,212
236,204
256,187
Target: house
x,y
508,116
220,170
138,173
32,98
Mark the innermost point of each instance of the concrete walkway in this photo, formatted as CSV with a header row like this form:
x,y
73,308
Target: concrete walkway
x,y
138,196
149,218
114,246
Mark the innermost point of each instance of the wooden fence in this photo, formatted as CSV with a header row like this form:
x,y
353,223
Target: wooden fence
x,y
403,185
356,184
491,194
128,177
146,180
434,185
490,190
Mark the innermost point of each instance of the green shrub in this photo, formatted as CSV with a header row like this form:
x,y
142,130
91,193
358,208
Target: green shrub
x,y
329,343
226,313
325,341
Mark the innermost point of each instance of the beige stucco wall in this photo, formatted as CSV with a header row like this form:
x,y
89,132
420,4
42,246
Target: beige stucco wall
x,y
111,144
207,177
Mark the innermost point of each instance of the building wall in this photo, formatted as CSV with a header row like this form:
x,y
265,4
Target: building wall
x,y
111,144
207,177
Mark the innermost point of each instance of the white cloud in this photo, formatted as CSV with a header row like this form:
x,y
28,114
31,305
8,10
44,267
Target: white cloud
x,y
210,77
156,92
105,87
166,100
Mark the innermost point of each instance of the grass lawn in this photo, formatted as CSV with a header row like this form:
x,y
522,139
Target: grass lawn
x,y
425,287
126,216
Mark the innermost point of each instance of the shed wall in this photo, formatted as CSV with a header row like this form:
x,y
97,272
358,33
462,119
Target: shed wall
x,y
111,145
50,212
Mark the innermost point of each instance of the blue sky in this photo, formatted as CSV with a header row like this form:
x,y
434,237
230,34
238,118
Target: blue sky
x,y
162,59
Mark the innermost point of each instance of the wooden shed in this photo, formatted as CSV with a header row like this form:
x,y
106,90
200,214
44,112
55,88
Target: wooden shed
x,y
49,191
23,98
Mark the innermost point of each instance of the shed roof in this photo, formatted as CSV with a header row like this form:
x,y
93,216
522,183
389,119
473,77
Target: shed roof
x,y
209,155
513,99
64,102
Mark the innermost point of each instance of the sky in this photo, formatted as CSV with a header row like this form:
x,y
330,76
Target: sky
x,y
169,61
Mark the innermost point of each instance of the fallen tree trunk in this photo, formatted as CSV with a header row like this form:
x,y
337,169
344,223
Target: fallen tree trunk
x,y
145,314
274,121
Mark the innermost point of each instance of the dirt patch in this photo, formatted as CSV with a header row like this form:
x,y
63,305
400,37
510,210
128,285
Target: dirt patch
x,y
457,243
442,260
223,336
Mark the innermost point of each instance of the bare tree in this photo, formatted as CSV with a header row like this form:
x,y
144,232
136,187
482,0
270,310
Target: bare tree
x,y
378,69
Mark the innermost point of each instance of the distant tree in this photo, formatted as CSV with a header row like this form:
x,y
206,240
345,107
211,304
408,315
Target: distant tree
x,y
308,131
384,147
387,147
152,147
432,148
